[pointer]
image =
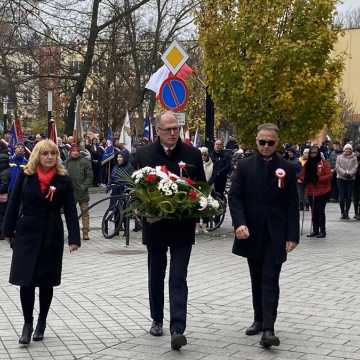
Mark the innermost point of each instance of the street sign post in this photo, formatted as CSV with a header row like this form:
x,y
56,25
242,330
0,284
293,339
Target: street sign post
x,y
180,117
173,94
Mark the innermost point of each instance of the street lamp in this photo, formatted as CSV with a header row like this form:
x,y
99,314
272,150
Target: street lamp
x,y
5,111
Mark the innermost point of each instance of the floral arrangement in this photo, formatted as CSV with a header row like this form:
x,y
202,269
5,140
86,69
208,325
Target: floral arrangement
x,y
158,193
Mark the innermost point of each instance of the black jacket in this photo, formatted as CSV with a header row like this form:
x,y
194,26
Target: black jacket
x,y
271,213
170,232
38,228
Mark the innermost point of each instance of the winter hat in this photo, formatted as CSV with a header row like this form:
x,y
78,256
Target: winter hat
x,y
204,150
306,151
347,146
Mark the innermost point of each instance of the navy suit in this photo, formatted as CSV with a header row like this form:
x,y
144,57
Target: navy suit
x,y
178,236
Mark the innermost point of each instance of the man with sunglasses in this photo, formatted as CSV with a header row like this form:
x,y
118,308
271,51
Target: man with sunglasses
x,y
264,207
164,234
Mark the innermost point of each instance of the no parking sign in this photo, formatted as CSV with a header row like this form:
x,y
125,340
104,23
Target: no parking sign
x,y
174,94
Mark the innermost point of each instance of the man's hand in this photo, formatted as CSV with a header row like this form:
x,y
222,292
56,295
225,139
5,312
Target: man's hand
x,y
242,232
73,247
290,246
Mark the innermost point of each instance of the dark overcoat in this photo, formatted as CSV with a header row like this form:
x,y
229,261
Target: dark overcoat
x,y
270,213
171,232
38,229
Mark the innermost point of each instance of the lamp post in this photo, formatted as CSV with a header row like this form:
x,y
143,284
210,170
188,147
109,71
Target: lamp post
x,y
50,108
5,112
209,121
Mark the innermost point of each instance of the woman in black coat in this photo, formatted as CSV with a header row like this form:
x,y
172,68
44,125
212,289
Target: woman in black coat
x,y
33,219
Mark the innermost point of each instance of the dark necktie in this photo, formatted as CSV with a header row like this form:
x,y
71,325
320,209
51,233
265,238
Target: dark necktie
x,y
169,152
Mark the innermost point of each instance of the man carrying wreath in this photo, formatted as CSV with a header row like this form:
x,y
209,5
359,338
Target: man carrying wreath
x,y
159,235
264,207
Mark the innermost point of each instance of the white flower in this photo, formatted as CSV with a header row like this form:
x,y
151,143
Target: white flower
x,y
203,202
174,187
212,202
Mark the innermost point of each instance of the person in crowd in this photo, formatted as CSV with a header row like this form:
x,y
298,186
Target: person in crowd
x,y
356,190
96,153
334,153
160,235
208,170
63,150
17,162
221,167
232,144
264,207
4,181
316,176
42,189
79,170
346,168
303,198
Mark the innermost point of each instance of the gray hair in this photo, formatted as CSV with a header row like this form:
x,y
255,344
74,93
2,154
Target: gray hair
x,y
268,127
158,117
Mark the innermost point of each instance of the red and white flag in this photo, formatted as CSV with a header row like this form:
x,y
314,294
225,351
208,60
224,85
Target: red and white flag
x,y
156,79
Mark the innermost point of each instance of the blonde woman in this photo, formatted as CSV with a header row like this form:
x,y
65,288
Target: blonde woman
x,y
33,220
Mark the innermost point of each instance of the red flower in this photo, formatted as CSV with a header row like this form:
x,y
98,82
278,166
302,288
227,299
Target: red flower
x,y
189,181
164,169
192,195
150,177
173,178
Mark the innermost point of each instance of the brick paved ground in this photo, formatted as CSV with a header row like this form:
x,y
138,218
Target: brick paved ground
x,y
101,309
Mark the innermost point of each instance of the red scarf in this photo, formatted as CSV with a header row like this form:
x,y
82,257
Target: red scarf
x,y
45,178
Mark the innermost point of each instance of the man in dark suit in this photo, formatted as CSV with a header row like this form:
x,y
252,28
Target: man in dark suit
x,y
264,207
160,235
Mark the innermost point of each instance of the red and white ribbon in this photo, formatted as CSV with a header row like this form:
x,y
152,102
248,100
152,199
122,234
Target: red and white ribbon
x,y
280,174
182,166
50,193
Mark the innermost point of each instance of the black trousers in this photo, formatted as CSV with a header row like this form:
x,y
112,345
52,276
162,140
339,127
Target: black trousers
x,y
318,204
178,290
345,194
27,297
356,196
334,187
265,276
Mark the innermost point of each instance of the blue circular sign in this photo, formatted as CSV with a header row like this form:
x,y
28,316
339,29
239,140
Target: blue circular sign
x,y
173,94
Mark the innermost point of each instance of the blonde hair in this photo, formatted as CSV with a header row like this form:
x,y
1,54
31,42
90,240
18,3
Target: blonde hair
x,y
34,160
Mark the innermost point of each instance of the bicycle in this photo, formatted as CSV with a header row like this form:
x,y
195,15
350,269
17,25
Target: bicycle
x,y
216,221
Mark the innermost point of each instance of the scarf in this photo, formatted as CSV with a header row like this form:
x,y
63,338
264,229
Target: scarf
x,y
45,178
208,169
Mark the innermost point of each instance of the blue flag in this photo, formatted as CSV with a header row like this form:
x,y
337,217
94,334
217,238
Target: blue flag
x,y
148,133
109,149
13,139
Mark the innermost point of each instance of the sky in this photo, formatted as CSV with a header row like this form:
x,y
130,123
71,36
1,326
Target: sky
x,y
348,5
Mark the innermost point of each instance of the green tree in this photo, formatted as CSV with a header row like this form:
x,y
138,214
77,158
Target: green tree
x,y
272,61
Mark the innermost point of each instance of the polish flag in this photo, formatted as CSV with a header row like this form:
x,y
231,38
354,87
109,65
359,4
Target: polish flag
x,y
156,79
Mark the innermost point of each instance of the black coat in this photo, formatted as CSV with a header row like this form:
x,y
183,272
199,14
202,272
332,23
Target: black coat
x,y
39,232
171,232
270,213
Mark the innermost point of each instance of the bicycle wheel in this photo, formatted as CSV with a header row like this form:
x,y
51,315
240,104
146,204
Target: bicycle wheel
x,y
215,222
111,222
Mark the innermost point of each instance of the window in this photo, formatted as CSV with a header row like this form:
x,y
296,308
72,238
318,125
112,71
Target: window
x,y
28,68
75,67
28,97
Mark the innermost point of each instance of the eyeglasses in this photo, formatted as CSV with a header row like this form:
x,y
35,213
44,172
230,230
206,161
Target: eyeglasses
x,y
169,130
264,142
47,153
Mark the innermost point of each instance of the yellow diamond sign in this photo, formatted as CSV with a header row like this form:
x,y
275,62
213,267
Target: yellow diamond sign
x,y
174,57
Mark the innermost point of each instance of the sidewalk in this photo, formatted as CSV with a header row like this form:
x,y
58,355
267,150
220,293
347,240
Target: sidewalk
x,y
101,309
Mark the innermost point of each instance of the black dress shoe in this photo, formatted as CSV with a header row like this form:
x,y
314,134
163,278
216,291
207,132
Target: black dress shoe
x,y
39,331
269,339
177,341
156,329
321,235
26,333
254,329
313,234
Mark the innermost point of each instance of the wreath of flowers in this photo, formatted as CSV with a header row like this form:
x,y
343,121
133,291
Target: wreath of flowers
x,y
159,193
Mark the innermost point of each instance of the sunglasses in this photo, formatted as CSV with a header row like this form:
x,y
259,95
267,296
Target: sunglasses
x,y
47,153
269,142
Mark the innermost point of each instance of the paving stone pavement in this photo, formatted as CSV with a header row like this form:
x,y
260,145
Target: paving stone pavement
x,y
101,309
